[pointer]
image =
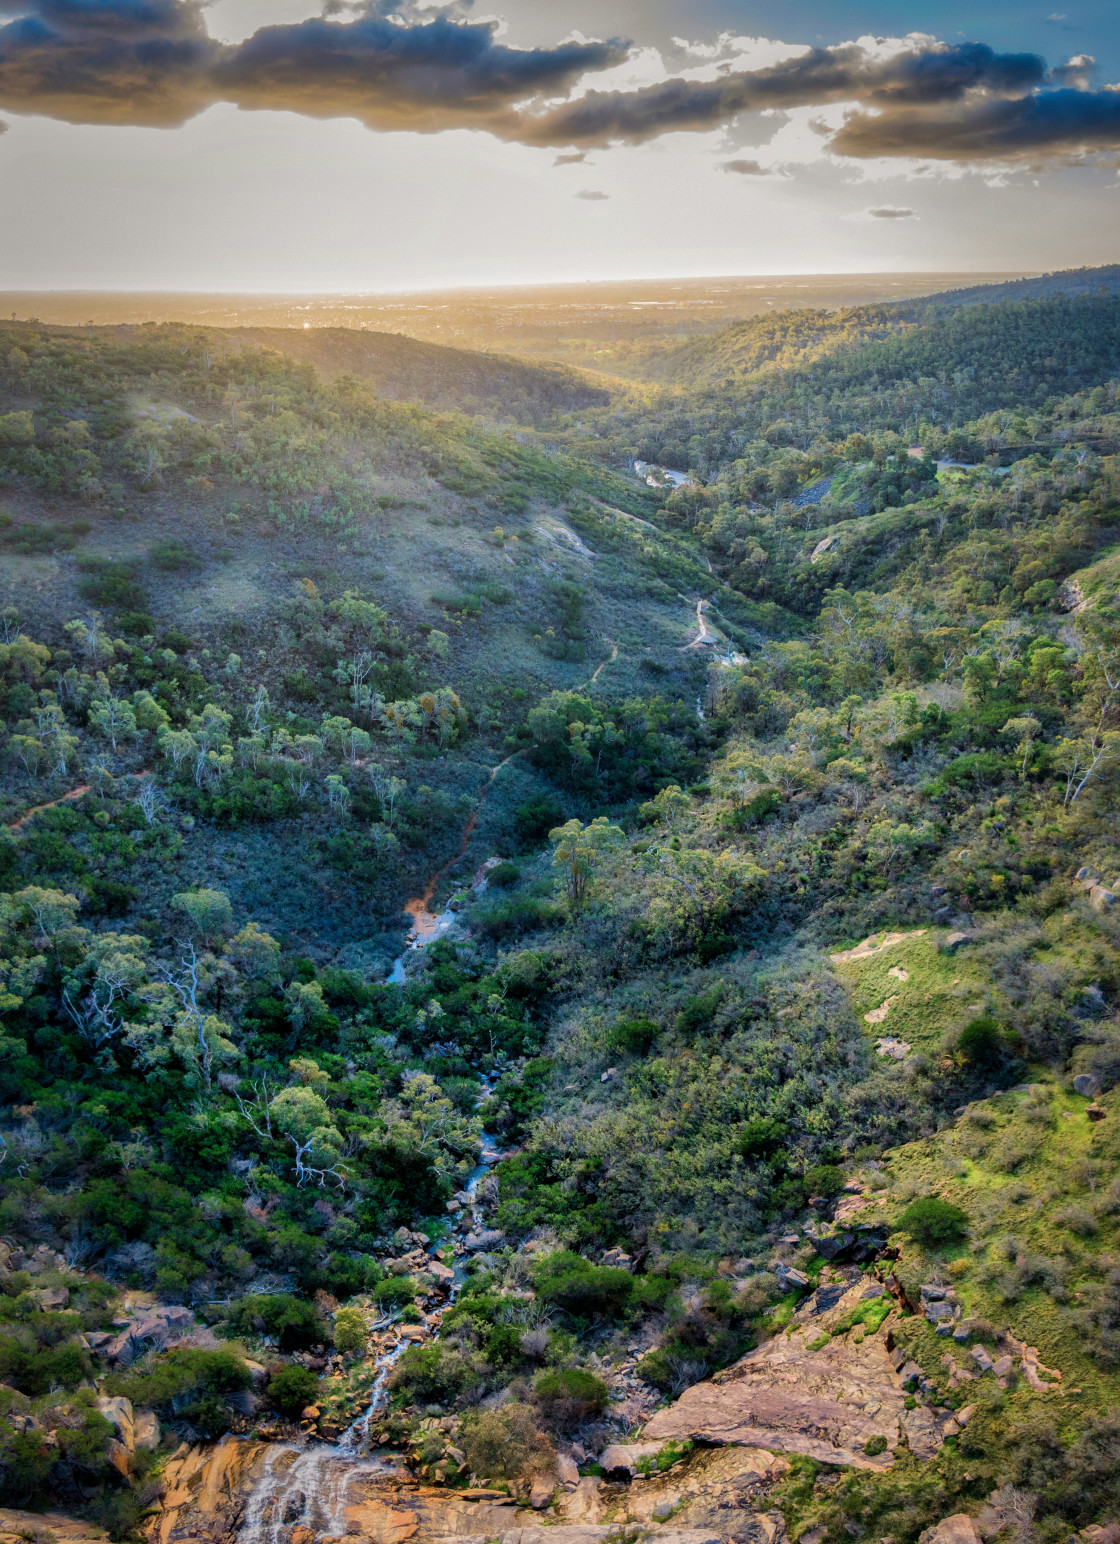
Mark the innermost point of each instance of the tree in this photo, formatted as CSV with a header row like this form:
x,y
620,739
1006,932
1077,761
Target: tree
x,y
95,992
114,718
578,851
292,1390
1025,730
208,912
665,808
1084,759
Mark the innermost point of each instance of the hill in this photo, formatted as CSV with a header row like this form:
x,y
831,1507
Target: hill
x,y
756,1051
409,370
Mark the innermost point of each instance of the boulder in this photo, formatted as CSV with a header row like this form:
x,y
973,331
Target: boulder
x,y
118,1457
567,1471
788,1276
958,1529
1087,1084
1101,897
956,939
830,1244
626,1457
485,1238
118,1412
1096,1111
542,1491
145,1429
50,1299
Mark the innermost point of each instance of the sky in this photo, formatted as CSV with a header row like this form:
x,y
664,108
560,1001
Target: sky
x,y
295,147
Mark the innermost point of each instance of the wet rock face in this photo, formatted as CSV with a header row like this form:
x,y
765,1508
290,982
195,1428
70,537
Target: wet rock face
x,y
827,1399
207,1491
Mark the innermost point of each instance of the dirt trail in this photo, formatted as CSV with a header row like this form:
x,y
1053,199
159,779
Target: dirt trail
x,y
606,662
66,798
705,635
424,921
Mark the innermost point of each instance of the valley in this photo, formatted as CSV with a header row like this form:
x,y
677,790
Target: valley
x,y
543,1005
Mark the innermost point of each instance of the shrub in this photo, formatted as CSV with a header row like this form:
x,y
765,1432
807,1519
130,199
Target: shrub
x,y
505,1443
761,1137
824,1179
350,1331
568,1397
503,874
932,1221
537,818
292,1320
395,1292
980,1043
292,1389
191,1383
573,1283
433,1374
634,1037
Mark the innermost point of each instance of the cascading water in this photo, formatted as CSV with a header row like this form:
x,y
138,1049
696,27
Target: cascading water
x,y
310,1486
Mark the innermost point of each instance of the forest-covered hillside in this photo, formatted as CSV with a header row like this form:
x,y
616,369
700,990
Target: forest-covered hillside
x,y
794,971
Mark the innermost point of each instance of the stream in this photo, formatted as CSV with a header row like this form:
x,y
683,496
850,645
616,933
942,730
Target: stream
x,y
310,1485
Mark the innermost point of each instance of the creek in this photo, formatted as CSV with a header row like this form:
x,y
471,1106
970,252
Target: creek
x,y
310,1485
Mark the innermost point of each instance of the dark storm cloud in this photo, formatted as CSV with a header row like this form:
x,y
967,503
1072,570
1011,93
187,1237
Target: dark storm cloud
x,y
1044,127
151,62
746,168
118,61
935,73
436,75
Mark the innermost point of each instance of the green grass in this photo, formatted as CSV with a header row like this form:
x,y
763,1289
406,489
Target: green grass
x,y
938,998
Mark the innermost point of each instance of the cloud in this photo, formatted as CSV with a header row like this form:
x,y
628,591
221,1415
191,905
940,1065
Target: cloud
x,y
119,61
425,77
890,212
1032,129
152,62
403,65
746,168
923,72
592,196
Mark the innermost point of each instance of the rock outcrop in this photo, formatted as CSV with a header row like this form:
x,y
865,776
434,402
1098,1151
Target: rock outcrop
x,y
837,1400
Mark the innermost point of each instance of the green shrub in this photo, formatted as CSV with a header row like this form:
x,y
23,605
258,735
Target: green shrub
x,y
633,1037
394,1292
573,1283
505,1443
293,1321
503,875
350,1330
932,1221
434,1374
570,1396
761,1137
980,1043
537,818
292,1389
824,1179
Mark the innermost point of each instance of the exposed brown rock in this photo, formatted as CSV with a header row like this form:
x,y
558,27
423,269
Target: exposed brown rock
x,y
826,1404
958,1529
